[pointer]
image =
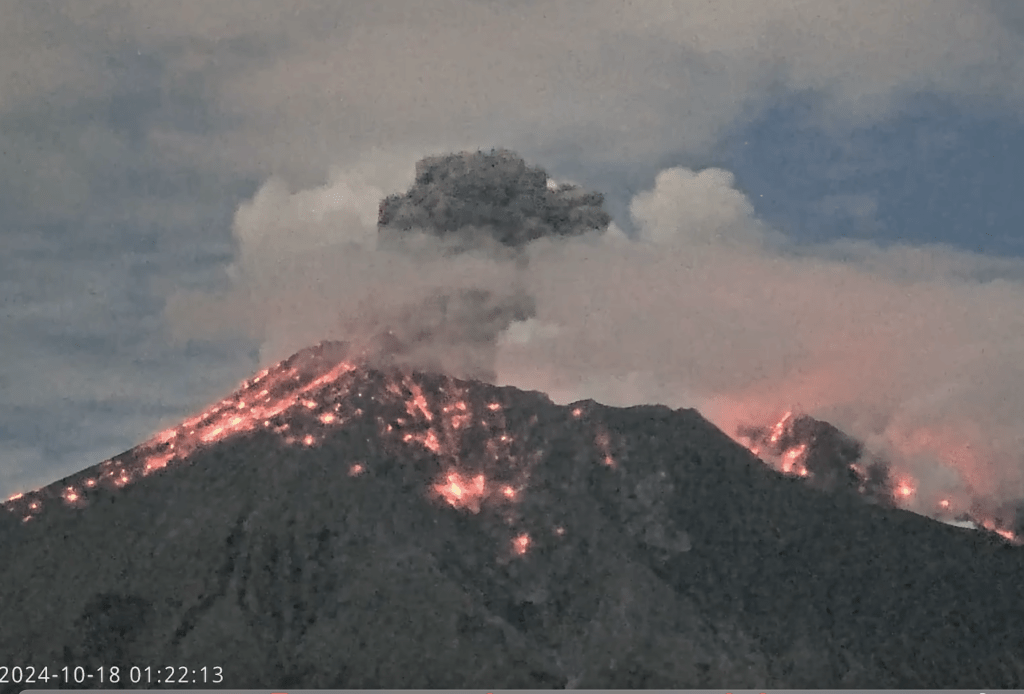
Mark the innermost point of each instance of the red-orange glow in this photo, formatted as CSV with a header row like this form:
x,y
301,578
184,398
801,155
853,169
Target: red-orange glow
x,y
944,504
559,531
308,440
780,428
905,489
70,495
509,492
791,460
493,407
418,402
601,439
520,544
327,418
166,435
34,505
462,492
309,404
355,470
15,497
577,412
431,442
158,462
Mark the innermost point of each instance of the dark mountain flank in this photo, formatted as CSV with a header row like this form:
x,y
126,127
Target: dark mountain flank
x,y
344,527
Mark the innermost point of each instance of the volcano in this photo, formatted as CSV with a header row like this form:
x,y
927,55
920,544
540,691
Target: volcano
x,y
332,525
835,462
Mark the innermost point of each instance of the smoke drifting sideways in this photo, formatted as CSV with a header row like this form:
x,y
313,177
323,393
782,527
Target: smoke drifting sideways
x,y
914,351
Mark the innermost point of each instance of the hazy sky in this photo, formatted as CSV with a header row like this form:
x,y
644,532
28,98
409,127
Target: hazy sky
x,y
816,204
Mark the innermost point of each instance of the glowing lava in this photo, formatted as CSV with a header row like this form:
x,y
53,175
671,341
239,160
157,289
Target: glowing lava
x,y
463,492
801,446
521,544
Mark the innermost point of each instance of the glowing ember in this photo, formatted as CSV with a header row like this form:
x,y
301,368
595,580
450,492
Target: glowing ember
x,y
493,407
431,442
167,435
509,492
520,544
355,470
15,497
577,412
308,440
418,402
463,492
327,418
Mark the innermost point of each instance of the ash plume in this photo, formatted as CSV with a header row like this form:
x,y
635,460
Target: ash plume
x,y
470,195
431,286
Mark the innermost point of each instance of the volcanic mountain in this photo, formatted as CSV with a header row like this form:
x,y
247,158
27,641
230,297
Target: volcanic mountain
x,y
334,524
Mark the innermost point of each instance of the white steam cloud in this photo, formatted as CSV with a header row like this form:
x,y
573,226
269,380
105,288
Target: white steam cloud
x,y
917,351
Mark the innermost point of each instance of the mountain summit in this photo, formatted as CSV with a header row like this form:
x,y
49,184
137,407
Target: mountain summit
x,y
334,525
351,518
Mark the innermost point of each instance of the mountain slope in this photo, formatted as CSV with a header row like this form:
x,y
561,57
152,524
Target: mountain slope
x,y
334,526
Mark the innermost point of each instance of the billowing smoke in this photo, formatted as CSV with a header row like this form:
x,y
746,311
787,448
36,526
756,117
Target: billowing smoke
x,y
433,287
914,351
470,196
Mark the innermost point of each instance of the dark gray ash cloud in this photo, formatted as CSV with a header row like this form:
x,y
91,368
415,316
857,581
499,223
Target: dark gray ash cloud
x,y
474,201
457,196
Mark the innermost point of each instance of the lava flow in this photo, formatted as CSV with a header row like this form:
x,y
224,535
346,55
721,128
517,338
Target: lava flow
x,y
301,400
831,460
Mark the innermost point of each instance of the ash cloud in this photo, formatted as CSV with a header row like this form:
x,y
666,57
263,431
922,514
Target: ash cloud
x,y
432,286
471,195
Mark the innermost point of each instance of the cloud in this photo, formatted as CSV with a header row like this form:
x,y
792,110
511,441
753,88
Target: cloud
x,y
298,90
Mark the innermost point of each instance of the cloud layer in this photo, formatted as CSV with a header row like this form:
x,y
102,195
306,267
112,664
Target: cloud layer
x,y
292,92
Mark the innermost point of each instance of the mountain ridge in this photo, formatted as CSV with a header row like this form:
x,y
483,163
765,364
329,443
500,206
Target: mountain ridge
x,y
377,527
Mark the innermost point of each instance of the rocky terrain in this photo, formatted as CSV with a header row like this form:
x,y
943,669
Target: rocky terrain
x,y
330,525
